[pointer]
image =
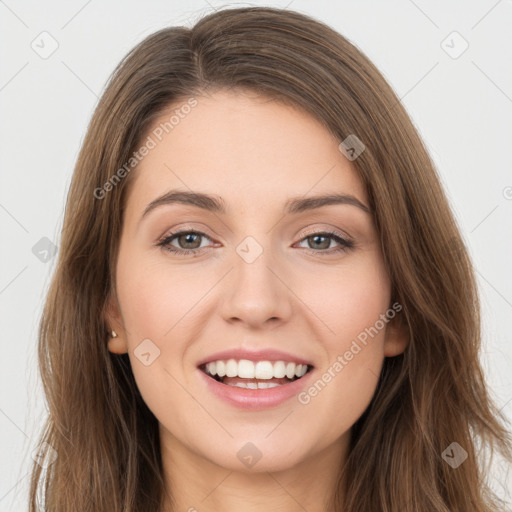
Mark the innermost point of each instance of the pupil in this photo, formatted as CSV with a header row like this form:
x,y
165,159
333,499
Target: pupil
x,y
316,237
187,237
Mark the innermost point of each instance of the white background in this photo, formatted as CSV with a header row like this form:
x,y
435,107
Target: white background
x,y
461,106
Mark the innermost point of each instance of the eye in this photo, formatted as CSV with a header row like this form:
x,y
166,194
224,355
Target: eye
x,y
191,240
185,238
320,238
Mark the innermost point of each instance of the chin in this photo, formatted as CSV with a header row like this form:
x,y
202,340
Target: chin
x,y
257,456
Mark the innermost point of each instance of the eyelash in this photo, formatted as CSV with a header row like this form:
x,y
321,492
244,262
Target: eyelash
x,y
346,245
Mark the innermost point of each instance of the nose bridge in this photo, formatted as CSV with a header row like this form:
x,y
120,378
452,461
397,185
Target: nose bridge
x,y
255,293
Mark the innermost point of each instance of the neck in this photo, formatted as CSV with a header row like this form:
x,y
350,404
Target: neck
x,y
197,484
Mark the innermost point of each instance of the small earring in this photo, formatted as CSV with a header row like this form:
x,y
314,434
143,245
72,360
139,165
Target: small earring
x,y
114,334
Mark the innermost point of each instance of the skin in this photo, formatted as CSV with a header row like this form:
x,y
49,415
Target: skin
x,y
255,154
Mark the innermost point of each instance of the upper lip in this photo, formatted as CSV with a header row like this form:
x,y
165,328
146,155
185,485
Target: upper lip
x,y
268,354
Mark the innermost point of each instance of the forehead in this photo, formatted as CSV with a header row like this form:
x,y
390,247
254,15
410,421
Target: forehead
x,y
250,151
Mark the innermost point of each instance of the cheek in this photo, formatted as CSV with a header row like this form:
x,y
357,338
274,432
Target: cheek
x,y
152,298
351,306
159,304
348,300
154,305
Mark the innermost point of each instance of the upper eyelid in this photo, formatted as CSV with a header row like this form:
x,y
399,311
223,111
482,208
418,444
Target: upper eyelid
x,y
325,231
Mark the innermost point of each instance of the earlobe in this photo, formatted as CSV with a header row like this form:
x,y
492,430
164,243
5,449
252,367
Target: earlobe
x,y
396,338
117,344
117,337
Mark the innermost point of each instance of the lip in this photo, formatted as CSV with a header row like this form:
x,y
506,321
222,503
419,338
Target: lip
x,y
255,399
254,355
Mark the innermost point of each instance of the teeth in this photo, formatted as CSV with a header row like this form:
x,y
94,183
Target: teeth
x,y
290,370
245,369
264,370
231,368
221,368
280,369
261,370
211,368
253,385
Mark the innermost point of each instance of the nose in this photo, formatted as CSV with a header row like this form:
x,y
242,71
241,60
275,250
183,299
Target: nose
x,y
256,294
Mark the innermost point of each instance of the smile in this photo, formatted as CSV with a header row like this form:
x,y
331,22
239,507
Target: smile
x,y
248,374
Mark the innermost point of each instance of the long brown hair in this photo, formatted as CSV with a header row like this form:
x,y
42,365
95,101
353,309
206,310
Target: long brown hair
x,y
432,395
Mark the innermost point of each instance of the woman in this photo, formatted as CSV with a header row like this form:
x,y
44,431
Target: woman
x,y
262,298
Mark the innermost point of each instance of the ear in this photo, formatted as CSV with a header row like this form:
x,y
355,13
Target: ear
x,y
396,337
114,322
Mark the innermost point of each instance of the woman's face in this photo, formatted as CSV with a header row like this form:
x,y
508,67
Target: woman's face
x,y
261,276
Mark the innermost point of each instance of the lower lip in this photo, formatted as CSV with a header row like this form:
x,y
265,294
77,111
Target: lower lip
x,y
255,399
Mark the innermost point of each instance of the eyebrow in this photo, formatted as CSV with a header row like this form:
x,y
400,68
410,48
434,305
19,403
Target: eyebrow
x,y
217,205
